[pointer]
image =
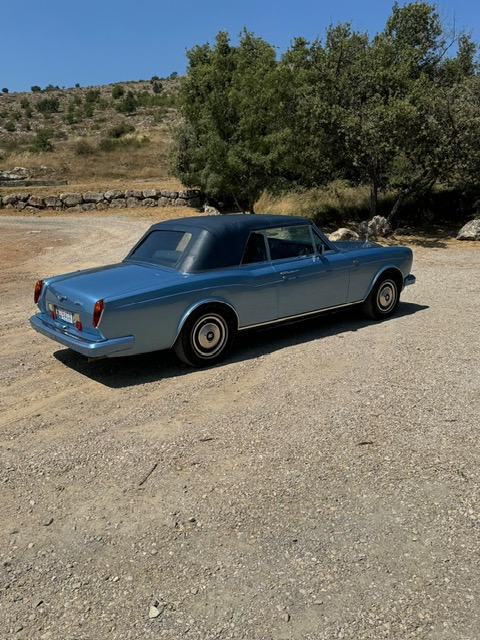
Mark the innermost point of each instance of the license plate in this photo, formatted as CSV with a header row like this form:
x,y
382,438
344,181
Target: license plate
x,y
64,316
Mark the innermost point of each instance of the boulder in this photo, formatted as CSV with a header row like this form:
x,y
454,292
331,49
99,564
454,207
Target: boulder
x,y
93,196
12,198
35,201
118,203
343,234
53,202
470,231
149,202
132,201
71,199
377,226
113,194
150,193
133,193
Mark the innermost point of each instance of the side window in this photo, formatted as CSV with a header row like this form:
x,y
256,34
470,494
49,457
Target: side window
x,y
255,250
290,242
320,245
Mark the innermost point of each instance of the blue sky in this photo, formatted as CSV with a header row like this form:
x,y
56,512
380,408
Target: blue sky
x,y
94,42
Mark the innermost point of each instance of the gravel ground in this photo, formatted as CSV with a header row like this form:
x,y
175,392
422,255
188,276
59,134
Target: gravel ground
x,y
323,483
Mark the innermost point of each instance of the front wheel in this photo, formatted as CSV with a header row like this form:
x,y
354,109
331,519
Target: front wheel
x,y
383,299
206,337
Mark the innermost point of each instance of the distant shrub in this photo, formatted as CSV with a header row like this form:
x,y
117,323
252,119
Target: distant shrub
x,y
35,88
92,95
48,105
115,144
118,91
42,141
88,109
77,85
120,130
128,104
9,126
157,87
154,79
52,87
173,75
84,148
4,90
24,103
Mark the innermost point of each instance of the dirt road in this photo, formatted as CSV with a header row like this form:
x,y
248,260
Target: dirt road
x,y
323,483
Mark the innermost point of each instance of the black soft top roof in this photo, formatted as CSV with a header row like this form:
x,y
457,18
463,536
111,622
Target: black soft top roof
x,y
219,241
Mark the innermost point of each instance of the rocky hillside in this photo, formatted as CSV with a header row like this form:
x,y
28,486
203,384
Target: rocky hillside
x,y
84,134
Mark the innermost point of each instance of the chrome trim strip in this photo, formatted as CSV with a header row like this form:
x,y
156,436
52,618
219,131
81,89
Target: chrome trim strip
x,y
300,315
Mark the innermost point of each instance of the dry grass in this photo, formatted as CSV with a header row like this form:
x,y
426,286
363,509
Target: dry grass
x,y
329,205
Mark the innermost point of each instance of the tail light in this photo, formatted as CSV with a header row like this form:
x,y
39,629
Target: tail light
x,y
38,291
97,312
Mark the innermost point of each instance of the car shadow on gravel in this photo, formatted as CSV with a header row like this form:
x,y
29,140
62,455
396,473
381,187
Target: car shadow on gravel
x,y
118,373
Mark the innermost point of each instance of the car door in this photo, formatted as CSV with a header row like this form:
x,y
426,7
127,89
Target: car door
x,y
310,275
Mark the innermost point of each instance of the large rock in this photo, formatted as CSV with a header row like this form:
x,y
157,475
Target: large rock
x,y
93,197
71,199
53,202
470,231
17,173
343,234
114,194
12,198
377,226
35,201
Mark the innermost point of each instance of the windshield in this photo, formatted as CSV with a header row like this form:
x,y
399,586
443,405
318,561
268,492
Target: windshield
x,y
162,247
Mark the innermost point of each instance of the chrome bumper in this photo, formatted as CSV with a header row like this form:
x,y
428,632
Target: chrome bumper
x,y
410,279
88,348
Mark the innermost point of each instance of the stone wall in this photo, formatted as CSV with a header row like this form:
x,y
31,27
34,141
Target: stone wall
x,y
97,201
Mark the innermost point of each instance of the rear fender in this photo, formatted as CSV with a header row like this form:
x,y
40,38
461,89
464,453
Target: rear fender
x,y
204,303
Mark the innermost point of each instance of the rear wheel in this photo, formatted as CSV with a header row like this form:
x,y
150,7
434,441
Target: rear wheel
x,y
206,337
383,299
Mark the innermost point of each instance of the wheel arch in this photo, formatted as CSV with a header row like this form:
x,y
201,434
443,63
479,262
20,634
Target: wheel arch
x,y
207,302
388,270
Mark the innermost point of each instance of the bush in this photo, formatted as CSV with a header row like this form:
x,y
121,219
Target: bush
x,y
118,91
36,88
42,141
120,130
9,126
4,90
92,95
116,144
84,148
157,87
128,104
48,105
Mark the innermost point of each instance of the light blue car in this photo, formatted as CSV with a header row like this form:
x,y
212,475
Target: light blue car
x,y
191,284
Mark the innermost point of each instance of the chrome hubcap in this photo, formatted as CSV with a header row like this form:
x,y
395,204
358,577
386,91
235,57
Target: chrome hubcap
x,y
209,336
387,295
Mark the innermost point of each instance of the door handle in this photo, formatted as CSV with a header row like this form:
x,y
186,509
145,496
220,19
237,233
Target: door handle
x,y
289,275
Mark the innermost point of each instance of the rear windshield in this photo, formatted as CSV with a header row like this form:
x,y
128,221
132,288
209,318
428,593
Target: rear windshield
x,y
162,247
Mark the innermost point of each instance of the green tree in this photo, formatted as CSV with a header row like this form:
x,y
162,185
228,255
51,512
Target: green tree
x,y
232,140
128,104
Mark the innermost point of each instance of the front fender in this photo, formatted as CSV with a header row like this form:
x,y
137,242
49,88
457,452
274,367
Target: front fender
x,y
388,267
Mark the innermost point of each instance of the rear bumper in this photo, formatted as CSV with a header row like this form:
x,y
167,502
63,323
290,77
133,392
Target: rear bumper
x,y
410,279
88,348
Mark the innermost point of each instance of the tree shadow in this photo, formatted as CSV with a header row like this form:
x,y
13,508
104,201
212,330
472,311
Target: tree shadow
x,y
118,373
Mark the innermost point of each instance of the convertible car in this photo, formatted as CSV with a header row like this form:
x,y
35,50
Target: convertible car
x,y
191,284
